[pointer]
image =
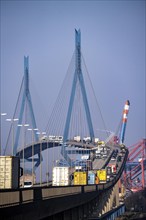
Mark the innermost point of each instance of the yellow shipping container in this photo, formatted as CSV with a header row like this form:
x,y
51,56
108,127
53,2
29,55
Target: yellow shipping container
x,y
80,178
102,175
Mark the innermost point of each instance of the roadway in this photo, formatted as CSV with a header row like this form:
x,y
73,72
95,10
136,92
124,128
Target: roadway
x,y
40,202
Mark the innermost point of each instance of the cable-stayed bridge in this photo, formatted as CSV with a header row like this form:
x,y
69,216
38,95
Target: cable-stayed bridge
x,y
71,135
76,111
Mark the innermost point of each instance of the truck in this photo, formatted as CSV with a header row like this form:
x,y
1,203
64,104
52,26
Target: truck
x,y
102,175
87,139
97,154
113,168
77,138
96,140
9,172
109,173
61,176
27,180
80,178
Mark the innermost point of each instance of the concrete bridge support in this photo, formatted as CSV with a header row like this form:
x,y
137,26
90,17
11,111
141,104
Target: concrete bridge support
x,y
78,213
106,202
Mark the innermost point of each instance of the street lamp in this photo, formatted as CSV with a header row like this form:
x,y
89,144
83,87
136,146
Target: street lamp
x,y
2,114
42,135
23,126
32,140
12,120
47,176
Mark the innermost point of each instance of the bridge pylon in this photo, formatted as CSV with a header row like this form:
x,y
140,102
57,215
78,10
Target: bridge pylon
x,y
78,77
25,99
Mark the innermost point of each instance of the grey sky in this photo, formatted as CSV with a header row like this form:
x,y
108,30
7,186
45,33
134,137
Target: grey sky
x,y
113,45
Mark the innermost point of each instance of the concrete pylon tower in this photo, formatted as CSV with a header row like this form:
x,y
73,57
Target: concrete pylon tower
x,y
25,99
78,76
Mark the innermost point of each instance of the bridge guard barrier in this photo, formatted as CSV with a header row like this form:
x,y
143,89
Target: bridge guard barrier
x,y
11,198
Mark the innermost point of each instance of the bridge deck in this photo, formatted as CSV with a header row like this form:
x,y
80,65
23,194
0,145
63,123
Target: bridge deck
x,y
47,201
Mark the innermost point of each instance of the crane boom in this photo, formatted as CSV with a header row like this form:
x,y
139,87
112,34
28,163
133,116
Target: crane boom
x,y
124,121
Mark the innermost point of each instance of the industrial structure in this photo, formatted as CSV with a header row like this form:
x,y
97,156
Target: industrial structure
x,y
134,173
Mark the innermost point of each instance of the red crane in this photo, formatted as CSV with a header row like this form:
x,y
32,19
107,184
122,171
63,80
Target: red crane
x,y
133,176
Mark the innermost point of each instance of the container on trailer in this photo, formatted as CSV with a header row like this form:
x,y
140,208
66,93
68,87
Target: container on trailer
x,y
87,139
9,172
77,138
102,175
60,176
91,177
80,178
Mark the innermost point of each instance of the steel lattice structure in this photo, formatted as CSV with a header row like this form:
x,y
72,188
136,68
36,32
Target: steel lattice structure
x,y
134,173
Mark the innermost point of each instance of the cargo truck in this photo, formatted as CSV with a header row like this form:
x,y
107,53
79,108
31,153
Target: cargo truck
x,y
77,138
27,180
87,139
9,172
61,176
91,177
97,154
113,168
80,178
102,175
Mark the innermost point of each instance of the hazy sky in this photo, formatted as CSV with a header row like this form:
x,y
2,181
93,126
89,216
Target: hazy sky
x,y
113,45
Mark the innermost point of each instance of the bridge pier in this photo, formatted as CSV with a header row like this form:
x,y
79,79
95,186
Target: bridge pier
x,y
85,210
97,207
75,213
67,215
79,213
106,202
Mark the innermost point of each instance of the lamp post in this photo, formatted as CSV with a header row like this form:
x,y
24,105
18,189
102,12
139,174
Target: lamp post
x,y
2,114
42,135
32,140
12,120
47,165
23,126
